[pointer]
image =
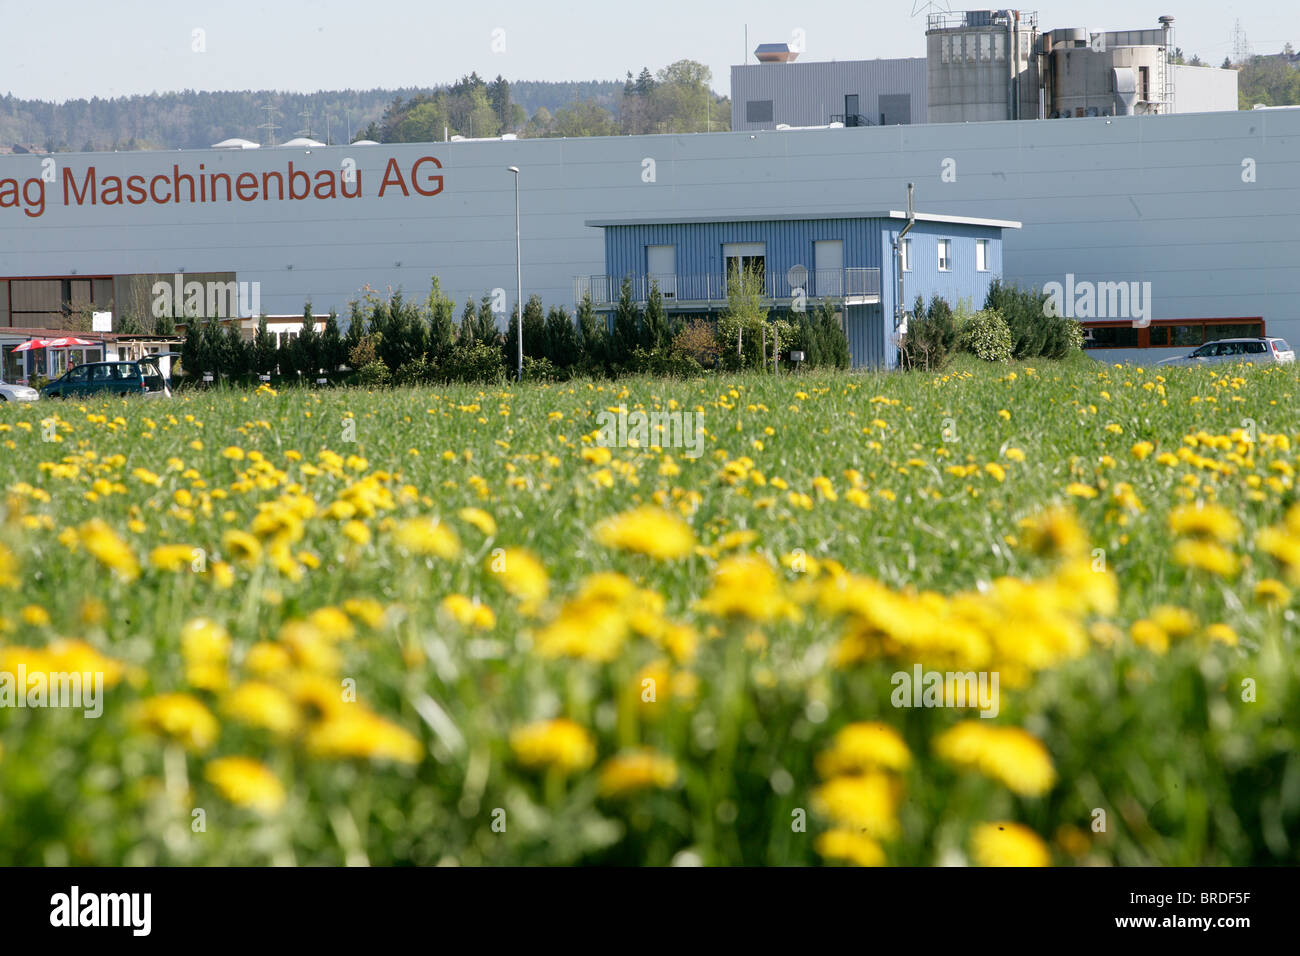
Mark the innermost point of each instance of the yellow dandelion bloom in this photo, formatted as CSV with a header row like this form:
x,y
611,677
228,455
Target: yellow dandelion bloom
x,y
864,746
172,557
1206,556
1014,758
1008,844
108,549
1141,450
562,744
353,732
1272,591
866,803
8,568
1079,490
241,546
636,770
259,704
1222,633
840,844
1207,521
479,519
427,536
1054,533
520,573
246,783
266,658
34,615
648,530
468,613
180,716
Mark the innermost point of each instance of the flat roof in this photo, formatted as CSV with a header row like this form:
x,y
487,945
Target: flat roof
x,y
781,217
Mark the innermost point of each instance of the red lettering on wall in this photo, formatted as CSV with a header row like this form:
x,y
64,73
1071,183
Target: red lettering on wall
x,y
415,177
394,173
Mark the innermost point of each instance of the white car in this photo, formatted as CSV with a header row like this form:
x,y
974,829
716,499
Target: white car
x,y
10,392
1260,350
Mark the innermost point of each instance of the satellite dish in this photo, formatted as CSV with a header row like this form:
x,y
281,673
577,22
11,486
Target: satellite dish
x,y
797,276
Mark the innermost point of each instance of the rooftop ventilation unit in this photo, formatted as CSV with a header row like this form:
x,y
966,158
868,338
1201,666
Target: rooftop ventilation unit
x,y
235,143
775,53
302,142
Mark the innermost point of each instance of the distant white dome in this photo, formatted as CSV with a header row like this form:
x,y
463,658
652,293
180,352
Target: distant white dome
x,y
303,141
235,143
365,142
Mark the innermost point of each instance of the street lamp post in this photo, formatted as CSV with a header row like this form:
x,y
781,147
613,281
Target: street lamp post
x,y
519,280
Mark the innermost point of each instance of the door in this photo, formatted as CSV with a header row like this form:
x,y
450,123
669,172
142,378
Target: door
x,y
851,109
738,257
661,266
828,266
74,383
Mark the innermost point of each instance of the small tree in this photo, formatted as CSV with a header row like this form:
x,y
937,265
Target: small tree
x,y
263,349
307,346
739,326
627,326
192,350
235,358
655,333
332,350
563,348
356,330
441,312
593,339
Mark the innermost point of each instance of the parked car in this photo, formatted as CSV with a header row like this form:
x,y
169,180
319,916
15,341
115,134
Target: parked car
x,y
11,392
117,378
1259,350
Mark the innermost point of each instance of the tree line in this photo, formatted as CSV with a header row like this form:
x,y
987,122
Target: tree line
x,y
397,340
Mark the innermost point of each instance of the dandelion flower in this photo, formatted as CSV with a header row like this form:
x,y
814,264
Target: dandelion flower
x,y
648,530
246,783
1008,844
636,770
562,744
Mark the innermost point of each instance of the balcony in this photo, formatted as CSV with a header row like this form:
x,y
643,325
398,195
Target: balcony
x,y
708,291
851,119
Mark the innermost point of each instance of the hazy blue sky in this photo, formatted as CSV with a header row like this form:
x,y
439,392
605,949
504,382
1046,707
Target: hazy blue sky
x,y
80,48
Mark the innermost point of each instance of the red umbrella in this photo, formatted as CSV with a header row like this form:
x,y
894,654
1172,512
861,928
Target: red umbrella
x,y
67,342
32,344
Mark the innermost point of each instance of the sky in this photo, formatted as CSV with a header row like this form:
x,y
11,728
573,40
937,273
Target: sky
x,y
86,48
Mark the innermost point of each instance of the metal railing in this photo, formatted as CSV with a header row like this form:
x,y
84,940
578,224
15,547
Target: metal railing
x,y
712,288
851,119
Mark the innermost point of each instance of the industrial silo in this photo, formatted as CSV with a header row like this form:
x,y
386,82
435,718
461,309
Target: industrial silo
x,y
981,65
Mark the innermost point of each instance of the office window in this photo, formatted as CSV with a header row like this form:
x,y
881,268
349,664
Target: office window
x,y
742,256
981,255
905,253
945,255
758,111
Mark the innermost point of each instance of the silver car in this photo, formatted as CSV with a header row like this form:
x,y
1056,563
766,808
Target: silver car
x,y
1261,350
13,392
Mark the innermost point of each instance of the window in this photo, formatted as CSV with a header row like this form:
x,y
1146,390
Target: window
x,y
945,255
758,111
745,256
661,265
905,253
80,373
981,255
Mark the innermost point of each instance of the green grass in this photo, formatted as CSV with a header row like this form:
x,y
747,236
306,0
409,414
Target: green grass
x,y
1185,770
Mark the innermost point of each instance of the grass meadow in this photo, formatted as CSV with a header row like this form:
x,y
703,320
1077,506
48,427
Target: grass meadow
x,y
450,626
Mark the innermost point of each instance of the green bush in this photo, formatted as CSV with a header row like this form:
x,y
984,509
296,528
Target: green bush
x,y
476,363
986,335
374,374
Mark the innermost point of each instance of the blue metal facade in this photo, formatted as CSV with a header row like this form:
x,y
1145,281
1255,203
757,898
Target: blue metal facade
x,y
699,244
867,243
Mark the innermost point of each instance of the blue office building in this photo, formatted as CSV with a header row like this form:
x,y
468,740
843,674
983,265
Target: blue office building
x,y
847,258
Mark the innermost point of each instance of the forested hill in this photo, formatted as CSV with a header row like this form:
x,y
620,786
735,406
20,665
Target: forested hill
x,y
194,120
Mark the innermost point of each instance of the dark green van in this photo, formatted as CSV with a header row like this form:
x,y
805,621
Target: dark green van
x,y
113,378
